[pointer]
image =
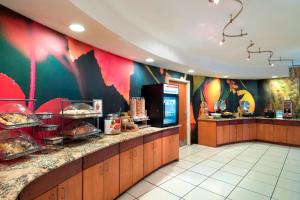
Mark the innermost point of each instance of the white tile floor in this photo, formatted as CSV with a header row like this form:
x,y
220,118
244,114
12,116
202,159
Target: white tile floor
x,y
245,171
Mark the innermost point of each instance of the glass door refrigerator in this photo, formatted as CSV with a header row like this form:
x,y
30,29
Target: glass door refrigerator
x,y
161,102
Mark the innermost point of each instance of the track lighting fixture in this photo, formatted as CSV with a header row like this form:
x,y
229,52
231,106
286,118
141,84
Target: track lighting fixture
x,y
283,60
259,52
232,18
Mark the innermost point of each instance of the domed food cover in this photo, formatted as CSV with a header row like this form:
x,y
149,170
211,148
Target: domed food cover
x,y
79,110
16,116
79,129
15,144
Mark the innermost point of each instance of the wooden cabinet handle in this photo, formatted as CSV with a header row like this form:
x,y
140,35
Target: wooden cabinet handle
x,y
131,154
64,193
134,153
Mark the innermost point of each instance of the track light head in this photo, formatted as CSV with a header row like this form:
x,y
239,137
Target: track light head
x,y
214,1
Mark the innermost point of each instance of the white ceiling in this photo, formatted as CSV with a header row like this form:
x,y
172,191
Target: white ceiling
x,y
180,35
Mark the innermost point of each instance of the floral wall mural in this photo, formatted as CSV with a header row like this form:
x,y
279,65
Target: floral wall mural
x,y
37,62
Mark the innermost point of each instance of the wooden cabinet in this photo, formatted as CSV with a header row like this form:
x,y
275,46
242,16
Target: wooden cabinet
x,y
239,132
232,131
246,131
111,185
157,155
131,163
50,195
252,130
223,135
207,133
170,146
280,133
293,134
137,164
265,130
152,153
71,189
93,179
148,157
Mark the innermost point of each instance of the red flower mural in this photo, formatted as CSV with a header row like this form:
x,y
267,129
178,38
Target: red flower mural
x,y
36,42
9,89
116,71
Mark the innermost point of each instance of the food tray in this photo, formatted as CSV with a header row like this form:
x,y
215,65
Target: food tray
x,y
52,140
7,157
44,115
15,126
49,127
81,136
81,116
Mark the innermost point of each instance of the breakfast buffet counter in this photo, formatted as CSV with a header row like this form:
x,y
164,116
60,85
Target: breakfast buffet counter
x,y
216,132
39,175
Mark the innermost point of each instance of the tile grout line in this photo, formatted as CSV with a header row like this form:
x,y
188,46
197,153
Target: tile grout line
x,y
185,171
280,173
217,171
248,173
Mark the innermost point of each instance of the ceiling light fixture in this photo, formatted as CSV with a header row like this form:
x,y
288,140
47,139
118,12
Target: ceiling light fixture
x,y
76,27
274,76
258,52
214,1
191,71
282,60
149,60
232,18
225,76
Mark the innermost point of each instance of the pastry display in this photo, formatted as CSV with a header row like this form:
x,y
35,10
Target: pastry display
x,y
14,144
16,116
79,128
79,110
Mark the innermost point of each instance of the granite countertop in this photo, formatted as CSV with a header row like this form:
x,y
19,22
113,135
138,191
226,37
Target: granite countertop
x,y
243,118
15,175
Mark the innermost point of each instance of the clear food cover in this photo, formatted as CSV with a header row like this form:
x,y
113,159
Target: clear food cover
x,y
16,114
79,128
79,109
14,144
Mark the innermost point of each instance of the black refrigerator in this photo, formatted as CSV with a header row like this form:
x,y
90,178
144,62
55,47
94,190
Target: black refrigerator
x,y
162,104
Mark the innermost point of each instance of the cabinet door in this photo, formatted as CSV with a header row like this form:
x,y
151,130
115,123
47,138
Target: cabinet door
x,y
293,135
232,132
259,131
93,182
138,164
166,142
71,189
268,132
111,187
280,133
148,157
157,160
252,129
125,170
239,132
246,131
220,135
174,147
50,195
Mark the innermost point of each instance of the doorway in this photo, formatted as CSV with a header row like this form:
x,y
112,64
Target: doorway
x,y
184,111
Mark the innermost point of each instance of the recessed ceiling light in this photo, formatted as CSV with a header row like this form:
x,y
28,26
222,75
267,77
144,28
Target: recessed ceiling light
x,y
274,76
191,71
76,27
149,60
214,1
225,76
